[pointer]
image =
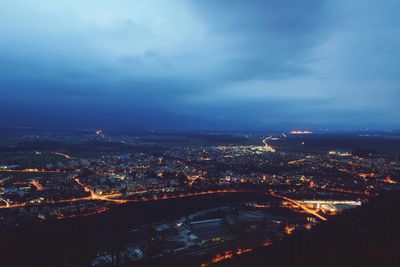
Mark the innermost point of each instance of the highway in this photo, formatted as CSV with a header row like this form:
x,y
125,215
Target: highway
x,y
63,155
303,207
114,198
296,161
37,185
5,201
268,147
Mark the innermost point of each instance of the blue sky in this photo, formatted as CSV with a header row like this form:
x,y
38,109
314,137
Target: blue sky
x,y
200,64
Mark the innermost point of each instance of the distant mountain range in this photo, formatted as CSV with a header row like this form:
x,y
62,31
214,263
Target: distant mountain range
x,y
150,118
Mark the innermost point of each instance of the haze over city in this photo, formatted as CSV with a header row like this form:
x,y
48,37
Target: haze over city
x,y
200,64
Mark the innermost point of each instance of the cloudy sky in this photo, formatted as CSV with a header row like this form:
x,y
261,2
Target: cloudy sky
x,y
199,64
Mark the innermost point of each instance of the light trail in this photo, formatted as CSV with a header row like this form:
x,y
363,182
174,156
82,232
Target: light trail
x,y
112,198
5,201
389,180
300,132
303,207
82,185
95,196
37,185
268,147
109,197
332,202
189,195
296,161
63,155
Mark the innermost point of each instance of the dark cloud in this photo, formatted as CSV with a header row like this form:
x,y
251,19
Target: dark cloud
x,y
226,63
277,36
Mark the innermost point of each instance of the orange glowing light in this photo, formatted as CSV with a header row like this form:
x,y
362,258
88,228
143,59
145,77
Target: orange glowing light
x,y
389,180
296,161
289,230
227,255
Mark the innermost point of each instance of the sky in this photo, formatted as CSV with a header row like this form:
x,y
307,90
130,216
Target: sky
x,y
200,64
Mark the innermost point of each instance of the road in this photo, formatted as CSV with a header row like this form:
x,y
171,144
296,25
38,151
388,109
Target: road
x,y
63,155
303,207
114,198
5,201
268,147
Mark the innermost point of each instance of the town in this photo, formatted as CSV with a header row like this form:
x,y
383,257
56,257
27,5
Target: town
x,y
272,185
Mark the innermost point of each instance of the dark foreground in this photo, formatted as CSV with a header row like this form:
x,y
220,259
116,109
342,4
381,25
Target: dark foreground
x,y
366,236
